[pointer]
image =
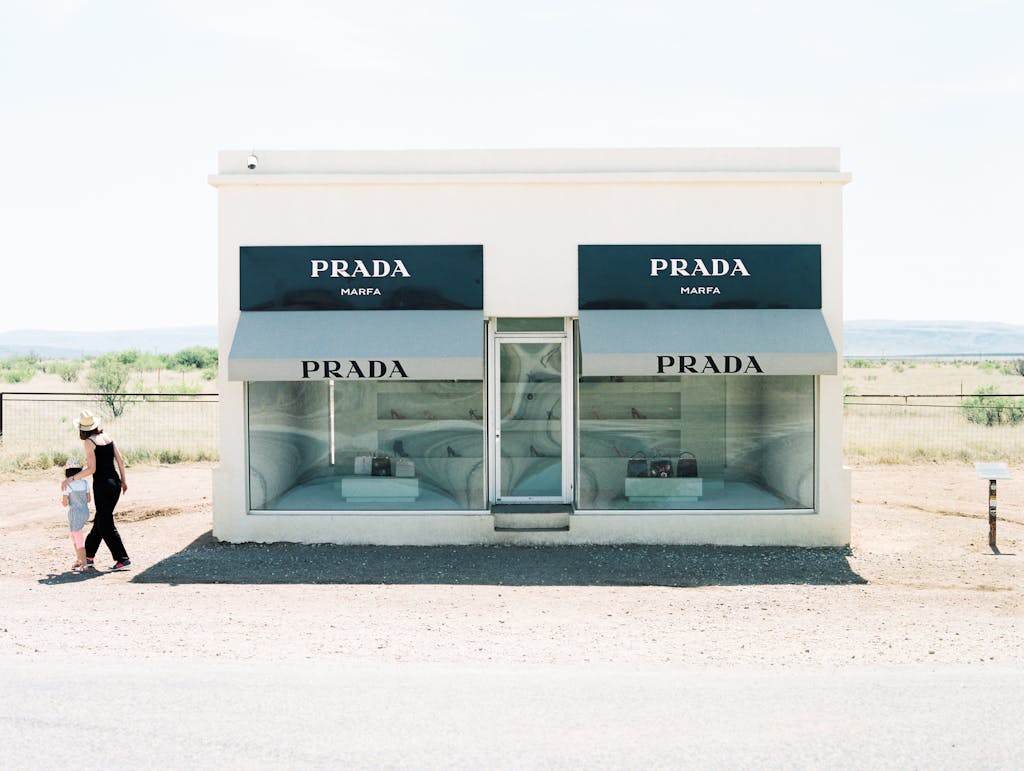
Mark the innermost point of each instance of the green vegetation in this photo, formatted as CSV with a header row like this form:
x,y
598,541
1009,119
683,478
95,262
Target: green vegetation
x,y
108,376
107,373
18,369
988,408
57,458
67,371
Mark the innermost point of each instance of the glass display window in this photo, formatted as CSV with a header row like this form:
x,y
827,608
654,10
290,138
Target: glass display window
x,y
688,443
366,446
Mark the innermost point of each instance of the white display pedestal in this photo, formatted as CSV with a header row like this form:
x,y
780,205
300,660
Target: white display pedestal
x,y
369,489
659,488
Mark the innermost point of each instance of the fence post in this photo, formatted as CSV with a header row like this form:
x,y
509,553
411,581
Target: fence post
x,y
1,413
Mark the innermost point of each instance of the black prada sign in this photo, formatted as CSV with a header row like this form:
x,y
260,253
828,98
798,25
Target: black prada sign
x,y
353,369
688,276
283,278
708,364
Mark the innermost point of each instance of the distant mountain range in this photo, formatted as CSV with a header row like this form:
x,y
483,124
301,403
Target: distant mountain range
x,y
931,338
862,338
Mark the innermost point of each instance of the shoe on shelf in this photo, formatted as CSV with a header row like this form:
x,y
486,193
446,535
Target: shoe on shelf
x,y
121,565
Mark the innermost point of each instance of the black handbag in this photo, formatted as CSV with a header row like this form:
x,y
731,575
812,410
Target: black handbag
x,y
637,466
380,466
687,466
661,467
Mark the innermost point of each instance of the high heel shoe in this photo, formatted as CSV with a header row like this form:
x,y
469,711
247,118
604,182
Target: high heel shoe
x,y
636,413
473,414
535,453
452,453
396,415
400,449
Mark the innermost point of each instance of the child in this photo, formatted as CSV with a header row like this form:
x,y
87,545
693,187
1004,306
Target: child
x,y
77,498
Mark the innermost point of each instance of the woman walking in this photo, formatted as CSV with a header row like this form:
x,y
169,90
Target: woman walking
x,y
104,463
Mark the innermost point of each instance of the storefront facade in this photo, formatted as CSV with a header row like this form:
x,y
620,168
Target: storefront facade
x,y
572,346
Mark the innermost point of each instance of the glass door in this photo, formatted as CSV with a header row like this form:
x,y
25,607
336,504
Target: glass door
x,y
531,420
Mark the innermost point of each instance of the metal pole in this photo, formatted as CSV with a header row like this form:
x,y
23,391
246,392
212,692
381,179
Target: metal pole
x,y
992,513
1,413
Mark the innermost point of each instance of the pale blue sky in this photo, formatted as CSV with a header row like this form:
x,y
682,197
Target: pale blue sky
x,y
111,115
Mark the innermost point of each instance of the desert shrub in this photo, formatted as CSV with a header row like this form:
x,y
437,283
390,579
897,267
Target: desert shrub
x,y
108,377
18,369
170,456
18,374
67,371
862,364
1017,367
196,357
988,408
209,373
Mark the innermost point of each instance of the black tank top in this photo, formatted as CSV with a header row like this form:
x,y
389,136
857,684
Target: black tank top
x,y
105,461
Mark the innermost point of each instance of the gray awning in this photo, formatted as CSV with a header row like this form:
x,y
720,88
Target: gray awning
x,y
707,342
352,345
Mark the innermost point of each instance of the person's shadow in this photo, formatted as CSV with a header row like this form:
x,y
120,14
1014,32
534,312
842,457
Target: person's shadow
x,y
67,577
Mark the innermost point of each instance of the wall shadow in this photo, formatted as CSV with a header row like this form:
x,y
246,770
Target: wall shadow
x,y
208,561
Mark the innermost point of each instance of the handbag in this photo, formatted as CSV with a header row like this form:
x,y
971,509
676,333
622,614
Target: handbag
x,y
405,468
381,466
687,466
363,465
661,467
637,466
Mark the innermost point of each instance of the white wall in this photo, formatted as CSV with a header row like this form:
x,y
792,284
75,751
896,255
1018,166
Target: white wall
x,y
530,210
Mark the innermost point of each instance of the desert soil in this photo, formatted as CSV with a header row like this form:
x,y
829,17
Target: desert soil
x,y
918,585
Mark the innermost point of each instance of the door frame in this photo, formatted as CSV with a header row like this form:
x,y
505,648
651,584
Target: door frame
x,y
568,412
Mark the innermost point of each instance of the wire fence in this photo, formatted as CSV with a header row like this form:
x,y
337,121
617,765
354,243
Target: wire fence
x,y
887,428
178,426
891,428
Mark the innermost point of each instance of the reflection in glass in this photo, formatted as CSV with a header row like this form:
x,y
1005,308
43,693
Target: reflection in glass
x,y
753,439
530,410
428,435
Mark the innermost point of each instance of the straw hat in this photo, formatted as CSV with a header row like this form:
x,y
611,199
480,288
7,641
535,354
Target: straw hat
x,y
86,421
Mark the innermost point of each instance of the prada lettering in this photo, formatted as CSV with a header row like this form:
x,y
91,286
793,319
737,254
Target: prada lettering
x,y
358,268
715,267
343,370
708,365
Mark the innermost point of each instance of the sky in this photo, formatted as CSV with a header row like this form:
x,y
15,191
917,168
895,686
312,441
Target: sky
x,y
112,114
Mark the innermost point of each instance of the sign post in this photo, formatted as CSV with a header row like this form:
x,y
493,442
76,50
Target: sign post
x,y
992,472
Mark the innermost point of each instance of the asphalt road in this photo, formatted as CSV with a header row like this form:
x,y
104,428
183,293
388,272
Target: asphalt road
x,y
178,714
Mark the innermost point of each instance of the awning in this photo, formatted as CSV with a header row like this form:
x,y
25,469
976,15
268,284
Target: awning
x,y
356,345
706,342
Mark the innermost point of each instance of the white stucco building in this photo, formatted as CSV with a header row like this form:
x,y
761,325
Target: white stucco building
x,y
531,346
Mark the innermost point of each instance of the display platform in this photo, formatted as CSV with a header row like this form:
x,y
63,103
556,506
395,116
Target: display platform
x,y
370,489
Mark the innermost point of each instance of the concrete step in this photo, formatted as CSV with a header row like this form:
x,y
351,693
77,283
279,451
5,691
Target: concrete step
x,y
531,517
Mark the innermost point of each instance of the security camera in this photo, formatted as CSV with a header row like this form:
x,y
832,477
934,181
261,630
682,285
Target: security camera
x,y
252,162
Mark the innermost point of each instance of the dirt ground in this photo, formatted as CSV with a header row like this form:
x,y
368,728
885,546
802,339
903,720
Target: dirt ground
x,y
918,585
